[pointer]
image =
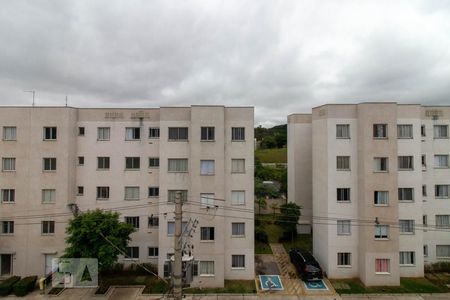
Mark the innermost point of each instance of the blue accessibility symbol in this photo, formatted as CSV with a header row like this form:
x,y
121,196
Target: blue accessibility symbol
x,y
270,282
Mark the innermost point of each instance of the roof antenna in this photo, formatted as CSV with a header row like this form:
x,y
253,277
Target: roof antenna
x,y
66,100
34,93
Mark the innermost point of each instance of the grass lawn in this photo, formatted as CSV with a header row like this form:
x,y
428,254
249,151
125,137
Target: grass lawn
x,y
272,155
407,285
231,287
152,284
262,248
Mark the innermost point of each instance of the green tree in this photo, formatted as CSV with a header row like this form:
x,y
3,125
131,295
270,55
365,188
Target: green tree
x,y
85,240
261,202
288,219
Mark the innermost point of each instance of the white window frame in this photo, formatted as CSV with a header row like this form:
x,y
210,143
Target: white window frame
x,y
207,200
407,258
238,197
238,229
132,163
155,192
381,201
153,162
132,133
9,133
206,268
238,134
238,165
100,190
409,159
103,133
131,253
48,196
53,133
207,234
381,232
153,133
403,192
47,226
439,252
343,131
207,167
381,164
8,195
7,227
442,191
8,164
441,161
177,165
344,259
407,227
388,265
132,193
380,131
405,131
341,192
178,134
207,134
442,221
52,164
133,221
154,253
343,163
103,162
438,130
344,227
238,256
171,194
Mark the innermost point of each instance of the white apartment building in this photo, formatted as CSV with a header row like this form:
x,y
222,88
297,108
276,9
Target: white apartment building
x,y
373,180
132,161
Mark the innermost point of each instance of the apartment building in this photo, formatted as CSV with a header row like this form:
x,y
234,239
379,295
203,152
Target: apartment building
x,y
373,180
133,161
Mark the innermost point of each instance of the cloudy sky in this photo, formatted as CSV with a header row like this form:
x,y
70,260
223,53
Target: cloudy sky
x,y
279,56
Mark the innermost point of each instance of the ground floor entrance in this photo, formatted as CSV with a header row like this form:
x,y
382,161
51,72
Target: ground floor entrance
x,y
6,264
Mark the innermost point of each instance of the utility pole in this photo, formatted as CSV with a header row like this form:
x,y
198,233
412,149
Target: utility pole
x,y
177,267
33,92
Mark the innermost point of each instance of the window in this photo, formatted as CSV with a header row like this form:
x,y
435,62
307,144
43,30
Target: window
x,y
344,259
172,194
238,229
48,196
381,231
423,132
7,227
153,162
441,161
380,131
343,194
132,133
405,163
425,250
381,198
238,261
238,166
207,134
167,269
441,190
207,200
80,190
440,131
405,131
153,133
443,221
407,258
9,133
8,195
81,131
80,160
178,165
171,228
178,133
153,251
406,226
206,268
344,227
207,233
132,163
8,164
48,227
103,133
153,191
103,163
103,192
442,250
380,164
238,134
153,221
425,220
406,194
132,252
343,163
133,221
424,161
382,265
238,197
49,164
207,167
131,193
342,131
424,190
49,133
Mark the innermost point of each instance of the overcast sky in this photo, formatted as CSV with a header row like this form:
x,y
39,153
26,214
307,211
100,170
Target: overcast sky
x,y
279,56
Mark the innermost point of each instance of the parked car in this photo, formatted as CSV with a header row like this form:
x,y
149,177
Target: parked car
x,y
307,266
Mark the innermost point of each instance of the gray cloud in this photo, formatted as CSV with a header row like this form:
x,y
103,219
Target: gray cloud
x,y
282,57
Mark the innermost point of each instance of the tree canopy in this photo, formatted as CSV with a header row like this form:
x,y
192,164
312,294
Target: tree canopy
x,y
85,238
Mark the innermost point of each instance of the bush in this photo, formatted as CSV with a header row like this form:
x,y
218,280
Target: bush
x,y
443,266
261,235
24,286
7,285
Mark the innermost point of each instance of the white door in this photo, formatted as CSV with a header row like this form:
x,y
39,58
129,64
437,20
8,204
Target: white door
x,y
48,263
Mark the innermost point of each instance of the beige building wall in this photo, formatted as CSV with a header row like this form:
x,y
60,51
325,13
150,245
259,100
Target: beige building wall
x,y
363,181
29,248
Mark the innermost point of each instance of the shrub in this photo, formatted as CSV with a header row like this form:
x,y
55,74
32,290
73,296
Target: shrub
x,y
24,286
261,235
442,266
7,285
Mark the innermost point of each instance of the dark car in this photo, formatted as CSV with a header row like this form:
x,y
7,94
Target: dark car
x,y
306,265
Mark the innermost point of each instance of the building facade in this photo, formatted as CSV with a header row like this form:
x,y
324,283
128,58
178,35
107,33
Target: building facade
x,y
378,199
135,162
